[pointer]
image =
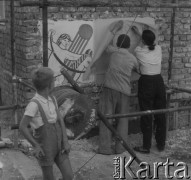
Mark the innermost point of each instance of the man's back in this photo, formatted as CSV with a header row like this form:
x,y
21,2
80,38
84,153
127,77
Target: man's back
x,y
119,72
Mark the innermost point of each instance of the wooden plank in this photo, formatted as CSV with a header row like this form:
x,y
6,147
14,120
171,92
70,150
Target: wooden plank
x,y
103,3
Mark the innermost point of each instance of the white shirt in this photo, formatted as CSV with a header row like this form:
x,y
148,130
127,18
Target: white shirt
x,y
33,111
149,60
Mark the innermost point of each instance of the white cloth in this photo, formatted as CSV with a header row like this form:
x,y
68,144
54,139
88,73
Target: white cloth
x,y
149,60
33,111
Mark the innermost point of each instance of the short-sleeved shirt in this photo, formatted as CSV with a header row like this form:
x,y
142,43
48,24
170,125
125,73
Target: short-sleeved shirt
x,y
33,111
149,60
122,63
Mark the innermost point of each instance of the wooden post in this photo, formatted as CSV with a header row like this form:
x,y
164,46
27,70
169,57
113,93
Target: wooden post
x,y
170,65
180,89
14,69
0,134
98,3
15,114
176,118
189,118
45,32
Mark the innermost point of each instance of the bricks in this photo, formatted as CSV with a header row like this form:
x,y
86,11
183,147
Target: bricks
x,y
68,9
28,40
188,65
102,9
53,9
177,65
185,60
86,9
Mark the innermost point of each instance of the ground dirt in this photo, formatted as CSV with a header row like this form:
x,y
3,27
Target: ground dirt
x,y
88,165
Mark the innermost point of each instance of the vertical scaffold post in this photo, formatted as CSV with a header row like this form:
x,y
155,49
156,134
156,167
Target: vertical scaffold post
x,y
170,63
15,112
45,32
0,133
14,69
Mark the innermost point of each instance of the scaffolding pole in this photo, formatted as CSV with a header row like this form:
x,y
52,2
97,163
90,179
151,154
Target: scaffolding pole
x,y
3,20
148,112
88,3
173,15
180,89
15,96
45,32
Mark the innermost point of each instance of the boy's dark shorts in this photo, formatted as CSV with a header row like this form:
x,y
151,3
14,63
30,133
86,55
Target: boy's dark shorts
x,y
50,138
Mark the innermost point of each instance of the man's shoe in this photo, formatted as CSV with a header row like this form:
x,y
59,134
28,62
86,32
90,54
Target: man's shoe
x,y
142,150
106,151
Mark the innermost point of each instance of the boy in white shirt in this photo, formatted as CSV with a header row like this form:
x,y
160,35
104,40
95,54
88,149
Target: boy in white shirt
x,y
49,137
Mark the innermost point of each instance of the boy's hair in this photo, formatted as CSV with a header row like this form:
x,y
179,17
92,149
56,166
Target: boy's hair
x,y
42,78
123,41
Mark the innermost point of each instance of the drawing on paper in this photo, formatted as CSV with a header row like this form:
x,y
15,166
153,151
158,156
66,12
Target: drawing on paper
x,y
79,45
71,53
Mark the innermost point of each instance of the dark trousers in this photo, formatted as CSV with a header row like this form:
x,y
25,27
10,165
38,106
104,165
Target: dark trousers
x,y
152,96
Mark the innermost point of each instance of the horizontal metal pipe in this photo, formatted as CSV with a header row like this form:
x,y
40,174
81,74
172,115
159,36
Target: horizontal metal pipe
x,y
27,84
133,114
12,107
180,89
89,4
3,20
148,112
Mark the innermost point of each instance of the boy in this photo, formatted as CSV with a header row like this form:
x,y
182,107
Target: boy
x,y
49,137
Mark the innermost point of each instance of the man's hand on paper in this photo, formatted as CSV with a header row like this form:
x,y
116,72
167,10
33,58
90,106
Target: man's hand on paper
x,y
136,30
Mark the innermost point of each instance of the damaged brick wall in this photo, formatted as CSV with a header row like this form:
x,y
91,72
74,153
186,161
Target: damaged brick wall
x,y
28,41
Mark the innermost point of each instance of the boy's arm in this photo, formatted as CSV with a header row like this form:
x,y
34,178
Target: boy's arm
x,y
38,151
26,132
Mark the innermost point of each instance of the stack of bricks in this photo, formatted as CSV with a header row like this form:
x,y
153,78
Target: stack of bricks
x,y
28,40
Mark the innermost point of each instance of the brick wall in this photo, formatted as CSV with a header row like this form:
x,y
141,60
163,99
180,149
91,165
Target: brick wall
x,y
27,41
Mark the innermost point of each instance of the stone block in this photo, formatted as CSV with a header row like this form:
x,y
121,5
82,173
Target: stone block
x,y
178,49
188,65
86,9
185,20
188,37
137,9
68,9
177,65
167,37
177,76
187,26
53,9
102,9
183,37
179,96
